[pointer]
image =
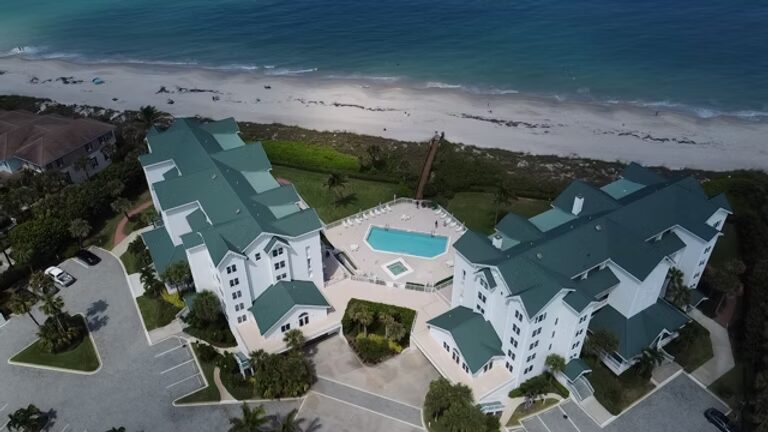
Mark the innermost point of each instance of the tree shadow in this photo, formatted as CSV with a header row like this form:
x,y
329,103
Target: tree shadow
x,y
95,315
97,322
96,307
50,419
346,200
314,425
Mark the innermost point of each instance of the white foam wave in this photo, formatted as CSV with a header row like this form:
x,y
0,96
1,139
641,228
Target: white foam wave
x,y
289,72
442,85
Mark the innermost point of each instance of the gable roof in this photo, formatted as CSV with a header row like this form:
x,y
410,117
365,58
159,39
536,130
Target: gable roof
x,y
638,332
278,299
232,183
473,335
162,250
608,228
42,139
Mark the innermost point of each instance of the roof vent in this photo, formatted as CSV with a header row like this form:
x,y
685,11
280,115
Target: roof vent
x,y
598,227
497,241
237,211
539,255
578,204
213,176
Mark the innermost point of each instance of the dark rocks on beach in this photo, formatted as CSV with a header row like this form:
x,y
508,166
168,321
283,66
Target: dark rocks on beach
x,y
162,90
195,90
69,80
268,87
34,80
115,99
171,102
507,123
2,72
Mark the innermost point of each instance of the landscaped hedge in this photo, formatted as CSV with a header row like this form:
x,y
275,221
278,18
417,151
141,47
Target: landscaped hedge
x,y
371,344
401,314
540,385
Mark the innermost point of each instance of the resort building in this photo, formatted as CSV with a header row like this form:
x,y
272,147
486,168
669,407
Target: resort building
x,y
51,142
247,238
599,259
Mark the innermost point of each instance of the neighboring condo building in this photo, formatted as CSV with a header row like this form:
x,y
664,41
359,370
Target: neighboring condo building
x,y
247,238
598,260
54,143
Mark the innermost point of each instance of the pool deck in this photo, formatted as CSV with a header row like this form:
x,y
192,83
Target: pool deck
x,y
370,262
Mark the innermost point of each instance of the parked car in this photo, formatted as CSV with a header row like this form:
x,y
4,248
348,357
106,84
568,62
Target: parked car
x,y
87,257
59,276
720,420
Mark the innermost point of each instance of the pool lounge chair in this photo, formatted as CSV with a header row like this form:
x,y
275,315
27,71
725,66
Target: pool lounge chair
x,y
345,223
354,247
389,209
359,220
460,228
365,215
452,224
443,215
437,210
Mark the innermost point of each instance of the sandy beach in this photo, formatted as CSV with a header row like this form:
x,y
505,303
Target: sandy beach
x,y
394,110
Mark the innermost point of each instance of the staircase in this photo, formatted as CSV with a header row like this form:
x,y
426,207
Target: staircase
x,y
581,388
426,170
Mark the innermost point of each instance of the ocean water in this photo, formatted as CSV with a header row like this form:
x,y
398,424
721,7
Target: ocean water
x,y
707,56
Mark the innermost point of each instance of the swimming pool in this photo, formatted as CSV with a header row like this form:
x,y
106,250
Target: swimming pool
x,y
395,241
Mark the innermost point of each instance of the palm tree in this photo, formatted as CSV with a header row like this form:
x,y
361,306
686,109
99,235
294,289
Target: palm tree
x,y
294,339
22,304
651,358
335,182
601,342
117,429
82,165
252,420
677,292
149,116
53,306
727,279
40,284
121,205
362,316
26,419
79,229
289,423
501,196
555,363
115,187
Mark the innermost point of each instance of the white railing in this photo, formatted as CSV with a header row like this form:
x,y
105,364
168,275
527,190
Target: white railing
x,y
396,201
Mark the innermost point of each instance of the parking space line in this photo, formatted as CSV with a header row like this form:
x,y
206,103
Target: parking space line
x,y
64,429
177,366
2,408
4,425
169,350
565,414
368,392
369,410
544,424
182,380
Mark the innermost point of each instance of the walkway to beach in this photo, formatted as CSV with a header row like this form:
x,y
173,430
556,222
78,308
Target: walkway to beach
x,y
120,229
722,360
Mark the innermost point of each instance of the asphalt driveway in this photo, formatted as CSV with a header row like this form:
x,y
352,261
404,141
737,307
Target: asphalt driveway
x,y
136,384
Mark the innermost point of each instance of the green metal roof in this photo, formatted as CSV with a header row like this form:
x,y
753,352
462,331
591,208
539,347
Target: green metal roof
x,y
280,298
697,297
606,229
488,274
162,250
518,228
576,368
721,201
589,289
474,336
621,188
232,183
640,331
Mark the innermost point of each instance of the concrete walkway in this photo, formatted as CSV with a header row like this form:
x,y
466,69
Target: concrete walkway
x,y
369,401
722,359
219,385
120,229
594,409
122,246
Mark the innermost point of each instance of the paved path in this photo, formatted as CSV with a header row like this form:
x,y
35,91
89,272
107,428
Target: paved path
x,y
120,229
223,392
369,401
722,359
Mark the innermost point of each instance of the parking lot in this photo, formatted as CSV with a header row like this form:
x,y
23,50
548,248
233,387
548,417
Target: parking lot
x,y
137,382
676,407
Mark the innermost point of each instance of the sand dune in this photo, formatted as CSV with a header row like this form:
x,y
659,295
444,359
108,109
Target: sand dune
x,y
511,122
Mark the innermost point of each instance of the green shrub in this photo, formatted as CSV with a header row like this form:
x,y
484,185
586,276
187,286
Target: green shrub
x,y
302,154
372,348
540,385
402,315
206,352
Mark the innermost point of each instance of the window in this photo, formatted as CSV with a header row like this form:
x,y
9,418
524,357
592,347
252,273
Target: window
x,y
465,367
481,297
528,370
550,347
582,319
279,265
513,342
709,248
519,316
257,256
701,263
276,252
556,320
509,367
530,358
483,283
576,345
536,332
540,318
516,329
234,282
236,295
237,308
553,334
89,147
231,269
241,319
533,345
480,309
463,275
281,276
303,319
445,345
455,356
696,276
511,354
59,163
285,327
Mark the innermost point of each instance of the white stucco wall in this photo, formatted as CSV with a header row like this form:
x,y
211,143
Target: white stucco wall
x,y
292,317
154,173
176,221
632,296
242,289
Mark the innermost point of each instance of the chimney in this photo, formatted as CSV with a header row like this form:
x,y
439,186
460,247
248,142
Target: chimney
x,y
578,203
497,239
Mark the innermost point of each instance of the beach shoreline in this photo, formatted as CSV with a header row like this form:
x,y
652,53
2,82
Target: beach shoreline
x,y
399,110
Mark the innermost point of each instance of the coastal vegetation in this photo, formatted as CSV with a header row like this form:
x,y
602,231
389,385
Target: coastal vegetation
x,y
450,407
66,348
207,322
377,331
28,419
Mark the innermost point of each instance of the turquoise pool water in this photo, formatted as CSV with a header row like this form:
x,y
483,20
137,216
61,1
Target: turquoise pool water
x,y
406,242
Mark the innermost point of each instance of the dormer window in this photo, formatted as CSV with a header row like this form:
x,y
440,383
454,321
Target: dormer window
x,y
481,297
483,283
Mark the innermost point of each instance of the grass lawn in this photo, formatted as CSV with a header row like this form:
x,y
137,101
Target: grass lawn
x,y
208,394
730,387
692,348
476,209
357,194
105,236
131,262
520,411
297,153
727,248
135,222
80,358
237,387
616,393
156,312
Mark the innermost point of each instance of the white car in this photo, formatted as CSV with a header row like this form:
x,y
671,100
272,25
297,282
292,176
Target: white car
x,y
59,276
